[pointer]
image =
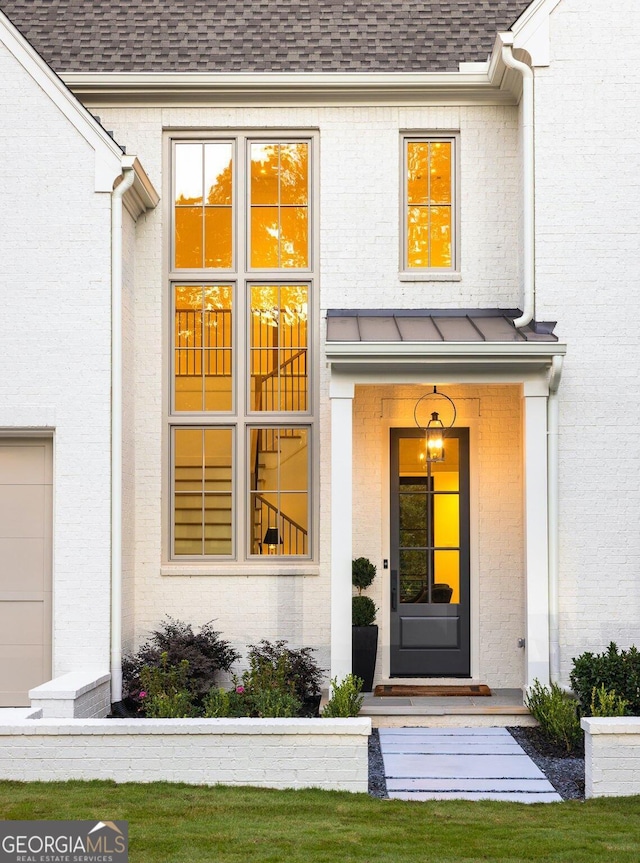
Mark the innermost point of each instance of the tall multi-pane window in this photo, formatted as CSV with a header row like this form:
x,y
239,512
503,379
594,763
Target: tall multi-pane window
x,y
242,286
429,204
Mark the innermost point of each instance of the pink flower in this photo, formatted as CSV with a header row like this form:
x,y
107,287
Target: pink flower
x,y
143,695
240,690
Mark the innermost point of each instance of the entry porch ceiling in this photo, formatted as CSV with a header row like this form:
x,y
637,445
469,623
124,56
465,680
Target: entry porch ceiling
x,y
477,340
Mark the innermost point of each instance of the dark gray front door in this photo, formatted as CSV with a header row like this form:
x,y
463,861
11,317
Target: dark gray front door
x,y
429,557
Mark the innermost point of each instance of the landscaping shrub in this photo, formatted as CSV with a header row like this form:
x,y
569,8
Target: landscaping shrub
x,y
606,702
346,699
205,652
362,573
267,691
363,611
557,713
617,671
297,665
166,693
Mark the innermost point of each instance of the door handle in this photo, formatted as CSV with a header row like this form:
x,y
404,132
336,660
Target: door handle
x,y
394,590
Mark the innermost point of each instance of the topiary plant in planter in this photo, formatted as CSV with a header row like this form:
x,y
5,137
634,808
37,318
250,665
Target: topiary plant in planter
x,y
364,645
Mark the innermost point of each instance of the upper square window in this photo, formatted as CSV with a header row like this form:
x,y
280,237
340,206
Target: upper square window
x,y
429,196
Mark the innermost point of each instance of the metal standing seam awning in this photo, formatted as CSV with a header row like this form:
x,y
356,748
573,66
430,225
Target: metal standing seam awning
x,y
480,339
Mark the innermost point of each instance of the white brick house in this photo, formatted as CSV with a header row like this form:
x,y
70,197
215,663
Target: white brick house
x,y
300,287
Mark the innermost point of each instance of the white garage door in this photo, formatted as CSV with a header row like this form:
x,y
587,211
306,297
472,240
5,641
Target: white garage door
x,y
25,567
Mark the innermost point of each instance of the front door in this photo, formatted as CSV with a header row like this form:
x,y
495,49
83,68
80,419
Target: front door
x,y
429,557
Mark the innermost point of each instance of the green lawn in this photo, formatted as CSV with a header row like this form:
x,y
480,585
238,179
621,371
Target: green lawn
x,y
182,823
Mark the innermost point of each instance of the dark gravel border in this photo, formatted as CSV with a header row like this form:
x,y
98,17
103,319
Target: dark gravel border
x,y
564,772
377,782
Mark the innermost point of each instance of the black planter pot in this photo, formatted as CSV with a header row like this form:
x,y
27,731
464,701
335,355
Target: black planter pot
x,y
364,646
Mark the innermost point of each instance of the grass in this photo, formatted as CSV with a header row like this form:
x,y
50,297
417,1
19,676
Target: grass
x,y
180,823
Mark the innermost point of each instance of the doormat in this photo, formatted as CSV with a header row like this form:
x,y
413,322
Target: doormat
x,y
407,691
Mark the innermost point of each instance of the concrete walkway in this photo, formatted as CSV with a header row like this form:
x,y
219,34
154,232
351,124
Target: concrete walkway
x,y
462,763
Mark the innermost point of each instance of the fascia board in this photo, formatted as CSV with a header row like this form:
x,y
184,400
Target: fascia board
x,y
472,86
366,352
108,154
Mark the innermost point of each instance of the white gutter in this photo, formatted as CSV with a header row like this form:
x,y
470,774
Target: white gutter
x,y
528,178
553,515
116,425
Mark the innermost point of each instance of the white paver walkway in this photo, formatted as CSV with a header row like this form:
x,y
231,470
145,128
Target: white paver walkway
x,y
463,763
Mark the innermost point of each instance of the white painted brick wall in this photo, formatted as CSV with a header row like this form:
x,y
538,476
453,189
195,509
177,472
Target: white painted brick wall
x,y
268,753
359,237
612,756
76,695
588,253
55,337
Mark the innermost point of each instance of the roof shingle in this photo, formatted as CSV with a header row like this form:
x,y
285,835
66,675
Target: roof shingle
x,y
261,35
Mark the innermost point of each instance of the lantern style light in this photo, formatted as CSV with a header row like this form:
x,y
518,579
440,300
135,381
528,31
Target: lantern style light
x,y
435,430
435,438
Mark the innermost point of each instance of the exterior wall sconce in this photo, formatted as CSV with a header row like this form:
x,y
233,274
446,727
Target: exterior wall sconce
x,y
272,540
435,430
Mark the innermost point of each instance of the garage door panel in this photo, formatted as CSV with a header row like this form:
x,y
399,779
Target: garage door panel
x,y
23,668
22,509
22,623
23,464
23,564
25,568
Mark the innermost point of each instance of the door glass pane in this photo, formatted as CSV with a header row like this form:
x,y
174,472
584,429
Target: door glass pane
x,y
446,474
446,520
413,576
446,572
279,490
203,348
413,520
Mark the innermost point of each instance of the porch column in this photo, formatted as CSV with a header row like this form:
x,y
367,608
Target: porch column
x,y
341,394
536,534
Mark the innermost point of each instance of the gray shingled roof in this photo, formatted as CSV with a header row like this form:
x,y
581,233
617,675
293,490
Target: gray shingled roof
x,y
261,35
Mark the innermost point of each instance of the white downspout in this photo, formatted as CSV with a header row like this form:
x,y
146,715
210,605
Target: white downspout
x,y
116,427
553,516
528,178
